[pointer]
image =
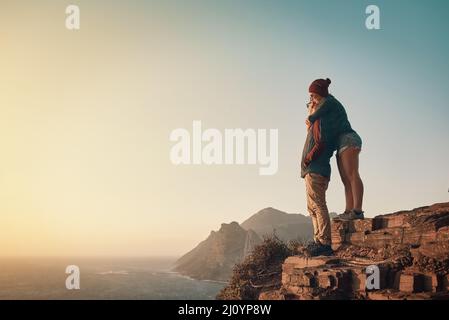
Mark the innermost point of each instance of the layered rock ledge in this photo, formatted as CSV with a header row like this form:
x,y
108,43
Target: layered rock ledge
x,y
409,248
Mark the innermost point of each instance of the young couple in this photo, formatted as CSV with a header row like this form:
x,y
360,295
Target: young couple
x,y
329,130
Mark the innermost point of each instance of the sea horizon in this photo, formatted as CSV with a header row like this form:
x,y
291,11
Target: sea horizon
x,y
101,278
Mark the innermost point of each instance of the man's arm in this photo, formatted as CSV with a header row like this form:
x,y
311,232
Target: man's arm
x,y
318,143
325,108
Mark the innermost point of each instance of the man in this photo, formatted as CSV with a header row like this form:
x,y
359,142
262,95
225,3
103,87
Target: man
x,y
316,170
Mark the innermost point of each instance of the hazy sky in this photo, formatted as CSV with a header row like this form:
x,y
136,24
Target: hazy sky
x,y
85,116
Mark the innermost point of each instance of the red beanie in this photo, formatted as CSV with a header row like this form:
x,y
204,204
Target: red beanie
x,y
320,86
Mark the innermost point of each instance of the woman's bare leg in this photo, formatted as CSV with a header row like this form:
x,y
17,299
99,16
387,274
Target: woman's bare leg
x,y
346,184
350,163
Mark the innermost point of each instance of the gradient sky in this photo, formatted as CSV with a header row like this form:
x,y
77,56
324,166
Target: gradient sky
x,y
85,116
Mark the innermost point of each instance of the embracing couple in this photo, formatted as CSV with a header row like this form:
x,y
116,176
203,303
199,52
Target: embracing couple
x,y
329,130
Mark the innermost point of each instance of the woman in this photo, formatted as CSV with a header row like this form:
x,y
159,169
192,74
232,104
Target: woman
x,y
347,142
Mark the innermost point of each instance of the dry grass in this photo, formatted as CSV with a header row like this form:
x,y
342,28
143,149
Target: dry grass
x,y
261,270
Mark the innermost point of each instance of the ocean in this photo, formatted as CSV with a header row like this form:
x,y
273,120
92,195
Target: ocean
x,y
100,279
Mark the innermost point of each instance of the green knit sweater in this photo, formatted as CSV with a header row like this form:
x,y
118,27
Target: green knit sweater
x,y
335,115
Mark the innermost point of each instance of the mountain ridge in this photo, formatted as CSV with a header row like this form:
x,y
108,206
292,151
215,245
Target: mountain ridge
x,y
215,257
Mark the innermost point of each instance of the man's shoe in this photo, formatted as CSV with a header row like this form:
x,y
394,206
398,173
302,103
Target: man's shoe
x,y
351,215
320,250
312,245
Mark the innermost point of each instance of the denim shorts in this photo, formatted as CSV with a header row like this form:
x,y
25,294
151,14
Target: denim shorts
x,y
349,140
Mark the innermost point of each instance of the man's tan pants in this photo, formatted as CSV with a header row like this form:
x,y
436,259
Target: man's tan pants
x,y
316,186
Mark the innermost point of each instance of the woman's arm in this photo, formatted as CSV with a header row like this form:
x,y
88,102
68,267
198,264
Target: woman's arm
x,y
325,108
311,110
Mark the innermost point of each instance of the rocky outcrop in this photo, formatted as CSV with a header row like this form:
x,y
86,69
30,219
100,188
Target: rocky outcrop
x,y
215,257
408,250
251,241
